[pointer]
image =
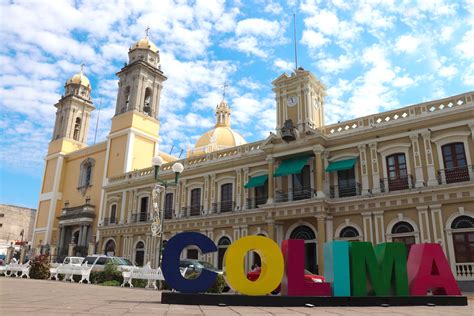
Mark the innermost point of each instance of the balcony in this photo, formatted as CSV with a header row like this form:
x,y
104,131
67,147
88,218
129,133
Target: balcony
x,y
458,174
295,195
193,210
169,213
140,218
465,271
339,191
223,207
110,221
256,201
397,183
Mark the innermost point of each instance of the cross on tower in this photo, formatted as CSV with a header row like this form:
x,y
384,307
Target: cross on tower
x,y
225,85
82,67
146,31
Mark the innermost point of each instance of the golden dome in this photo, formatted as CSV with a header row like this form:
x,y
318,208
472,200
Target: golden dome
x,y
145,43
221,137
79,78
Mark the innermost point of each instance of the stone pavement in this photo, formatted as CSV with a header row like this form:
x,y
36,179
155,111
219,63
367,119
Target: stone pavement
x,y
40,297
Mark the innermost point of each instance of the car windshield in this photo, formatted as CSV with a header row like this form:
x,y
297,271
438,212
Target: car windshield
x,y
89,260
123,262
207,265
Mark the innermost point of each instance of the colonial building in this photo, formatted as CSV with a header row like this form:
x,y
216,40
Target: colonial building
x,y
403,175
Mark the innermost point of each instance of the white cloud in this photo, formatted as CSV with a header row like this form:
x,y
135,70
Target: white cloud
x,y
465,47
404,81
448,71
335,65
258,27
283,65
274,8
313,39
407,43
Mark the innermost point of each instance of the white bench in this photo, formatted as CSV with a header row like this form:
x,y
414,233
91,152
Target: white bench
x,y
145,273
17,268
70,270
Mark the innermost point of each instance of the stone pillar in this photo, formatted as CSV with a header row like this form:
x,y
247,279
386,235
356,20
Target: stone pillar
x,y
123,207
419,177
375,168
437,225
321,241
62,235
271,229
79,239
246,192
368,226
238,189
22,253
424,223
52,254
10,251
432,180
318,170
271,186
70,251
363,169
85,238
91,248
329,229
379,227
327,175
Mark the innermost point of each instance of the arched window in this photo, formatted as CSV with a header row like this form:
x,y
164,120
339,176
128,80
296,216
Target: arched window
x,y
307,234
110,248
403,232
147,101
222,246
463,238
127,99
85,175
77,129
455,163
397,172
349,233
140,254
226,198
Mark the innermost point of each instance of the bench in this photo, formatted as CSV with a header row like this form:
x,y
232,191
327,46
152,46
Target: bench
x,y
143,273
16,268
69,271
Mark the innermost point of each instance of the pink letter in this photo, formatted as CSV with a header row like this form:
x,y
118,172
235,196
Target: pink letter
x,y
428,269
294,283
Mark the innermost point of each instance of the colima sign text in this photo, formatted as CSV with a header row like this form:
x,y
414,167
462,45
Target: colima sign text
x,y
351,268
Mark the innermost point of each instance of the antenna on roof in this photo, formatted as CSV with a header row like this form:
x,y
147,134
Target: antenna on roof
x,y
225,85
180,153
97,122
171,150
146,31
294,39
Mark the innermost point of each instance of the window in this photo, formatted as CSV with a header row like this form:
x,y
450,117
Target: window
x,y
455,163
192,254
168,205
302,184
222,246
85,175
113,213
226,198
346,182
195,202
307,234
147,101
403,232
261,194
140,254
77,129
127,99
463,238
397,172
143,209
349,233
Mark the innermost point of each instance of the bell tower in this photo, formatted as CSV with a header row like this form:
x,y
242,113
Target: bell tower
x,y
299,98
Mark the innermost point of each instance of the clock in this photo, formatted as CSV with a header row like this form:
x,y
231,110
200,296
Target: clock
x,y
292,101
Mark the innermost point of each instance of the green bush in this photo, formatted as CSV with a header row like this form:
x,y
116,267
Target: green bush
x,y
218,285
40,267
139,282
110,273
111,283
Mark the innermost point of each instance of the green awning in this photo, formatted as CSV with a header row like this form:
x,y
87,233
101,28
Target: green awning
x,y
256,181
341,165
291,166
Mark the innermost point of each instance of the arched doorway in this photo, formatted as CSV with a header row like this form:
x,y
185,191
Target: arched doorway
x,y
310,245
140,254
109,248
222,246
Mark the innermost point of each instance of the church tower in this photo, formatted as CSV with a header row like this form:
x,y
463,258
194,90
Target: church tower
x,y
133,140
299,98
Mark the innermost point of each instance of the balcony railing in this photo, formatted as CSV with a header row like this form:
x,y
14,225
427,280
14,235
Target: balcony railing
x,y
256,201
339,191
110,221
193,210
458,174
140,218
465,271
295,195
397,183
169,213
223,207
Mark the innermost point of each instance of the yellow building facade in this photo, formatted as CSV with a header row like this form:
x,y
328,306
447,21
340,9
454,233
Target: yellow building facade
x,y
404,175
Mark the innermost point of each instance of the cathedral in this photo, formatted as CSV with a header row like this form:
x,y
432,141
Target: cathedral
x,y
403,175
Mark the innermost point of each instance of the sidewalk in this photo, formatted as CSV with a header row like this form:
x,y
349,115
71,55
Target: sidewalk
x,y
40,297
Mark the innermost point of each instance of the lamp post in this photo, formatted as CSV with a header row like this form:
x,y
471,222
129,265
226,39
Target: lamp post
x,y
158,215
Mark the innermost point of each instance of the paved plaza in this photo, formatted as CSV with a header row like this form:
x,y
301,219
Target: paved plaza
x,y
39,297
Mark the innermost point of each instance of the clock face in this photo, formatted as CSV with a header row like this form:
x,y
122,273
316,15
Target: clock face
x,y
292,101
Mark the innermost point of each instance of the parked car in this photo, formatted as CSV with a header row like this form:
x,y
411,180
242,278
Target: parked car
x,y
308,277
75,261
98,262
197,266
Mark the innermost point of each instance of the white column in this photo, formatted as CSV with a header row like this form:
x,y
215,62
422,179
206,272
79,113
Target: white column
x,y
238,189
424,223
329,229
419,178
432,180
375,167
363,169
368,226
54,199
379,227
123,207
437,225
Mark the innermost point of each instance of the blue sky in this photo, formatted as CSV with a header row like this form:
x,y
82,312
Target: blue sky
x,y
372,56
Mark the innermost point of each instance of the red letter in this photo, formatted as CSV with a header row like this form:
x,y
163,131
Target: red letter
x,y
428,269
294,283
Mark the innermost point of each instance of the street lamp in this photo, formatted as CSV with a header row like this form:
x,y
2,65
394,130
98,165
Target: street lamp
x,y
158,215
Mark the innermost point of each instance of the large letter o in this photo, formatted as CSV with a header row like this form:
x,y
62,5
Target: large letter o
x,y
271,271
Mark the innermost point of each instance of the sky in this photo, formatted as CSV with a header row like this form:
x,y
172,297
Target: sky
x,y
372,55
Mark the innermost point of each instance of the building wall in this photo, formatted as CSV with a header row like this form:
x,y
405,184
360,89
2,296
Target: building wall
x,y
14,219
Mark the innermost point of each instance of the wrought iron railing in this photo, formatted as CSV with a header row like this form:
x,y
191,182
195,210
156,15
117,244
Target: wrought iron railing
x,y
295,195
256,201
223,207
397,183
168,213
193,210
140,218
458,174
351,189
110,221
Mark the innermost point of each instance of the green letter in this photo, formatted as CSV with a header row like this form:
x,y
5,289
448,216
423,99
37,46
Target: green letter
x,y
386,267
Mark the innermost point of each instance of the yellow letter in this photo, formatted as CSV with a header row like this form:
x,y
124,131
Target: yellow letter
x,y
271,271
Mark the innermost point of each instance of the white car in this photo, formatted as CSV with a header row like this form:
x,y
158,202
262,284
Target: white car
x,y
98,262
75,261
